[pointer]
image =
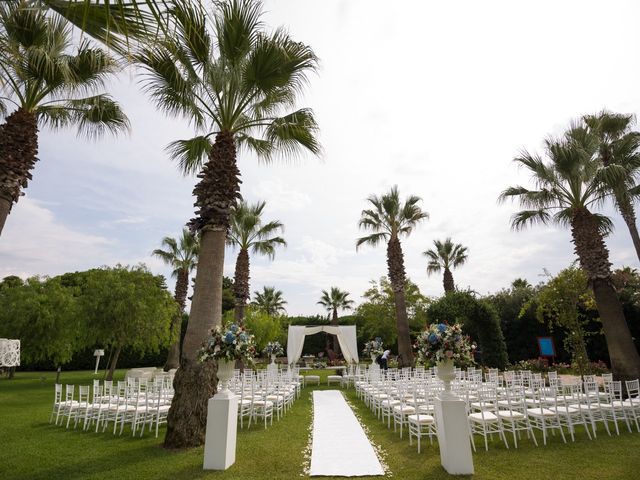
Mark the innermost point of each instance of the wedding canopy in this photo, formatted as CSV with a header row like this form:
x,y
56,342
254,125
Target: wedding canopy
x,y
346,336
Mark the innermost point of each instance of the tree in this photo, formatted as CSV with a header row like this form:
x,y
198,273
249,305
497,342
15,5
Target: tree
x,y
516,308
333,301
269,300
567,188
388,220
561,303
375,316
236,83
264,327
618,153
46,86
479,320
182,256
11,281
128,307
248,232
445,257
44,315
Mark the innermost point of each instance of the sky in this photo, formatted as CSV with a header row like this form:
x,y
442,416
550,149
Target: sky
x,y
435,97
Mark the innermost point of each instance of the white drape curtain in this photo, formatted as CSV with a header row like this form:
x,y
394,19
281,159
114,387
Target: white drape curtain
x,y
346,336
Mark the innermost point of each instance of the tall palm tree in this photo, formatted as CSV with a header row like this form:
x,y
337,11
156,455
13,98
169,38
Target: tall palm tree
x,y
567,190
618,152
182,256
43,84
444,257
388,220
269,301
248,232
334,300
237,83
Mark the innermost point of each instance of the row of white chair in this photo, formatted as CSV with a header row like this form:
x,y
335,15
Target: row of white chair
x,y
135,401
265,392
509,403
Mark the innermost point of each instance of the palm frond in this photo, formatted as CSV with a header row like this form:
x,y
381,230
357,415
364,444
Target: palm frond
x,y
524,218
293,132
190,154
237,24
373,239
98,115
277,62
262,148
170,87
116,22
191,27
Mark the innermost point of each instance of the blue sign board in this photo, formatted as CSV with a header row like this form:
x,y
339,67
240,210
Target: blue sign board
x,y
546,346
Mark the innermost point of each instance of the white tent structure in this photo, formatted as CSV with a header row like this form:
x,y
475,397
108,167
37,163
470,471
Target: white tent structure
x,y
346,336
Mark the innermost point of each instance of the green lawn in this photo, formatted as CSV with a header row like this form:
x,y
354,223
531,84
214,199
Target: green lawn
x,y
33,449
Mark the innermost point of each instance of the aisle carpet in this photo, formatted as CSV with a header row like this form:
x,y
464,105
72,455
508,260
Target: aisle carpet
x,y
340,446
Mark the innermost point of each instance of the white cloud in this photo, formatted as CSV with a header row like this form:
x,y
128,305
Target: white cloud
x,y
279,197
34,242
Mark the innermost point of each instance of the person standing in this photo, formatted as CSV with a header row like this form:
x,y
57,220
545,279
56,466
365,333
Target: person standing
x,y
385,359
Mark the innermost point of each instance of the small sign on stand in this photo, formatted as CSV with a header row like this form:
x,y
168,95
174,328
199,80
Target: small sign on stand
x,y
547,348
98,353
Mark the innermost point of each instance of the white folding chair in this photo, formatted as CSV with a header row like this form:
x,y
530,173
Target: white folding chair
x,y
57,403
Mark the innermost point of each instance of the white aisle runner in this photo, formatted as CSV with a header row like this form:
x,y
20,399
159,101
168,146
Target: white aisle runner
x,y
340,446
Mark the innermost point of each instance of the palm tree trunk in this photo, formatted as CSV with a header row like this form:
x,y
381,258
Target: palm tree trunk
x,y
629,216
18,150
334,322
5,209
395,264
447,281
195,382
241,284
114,361
182,288
594,259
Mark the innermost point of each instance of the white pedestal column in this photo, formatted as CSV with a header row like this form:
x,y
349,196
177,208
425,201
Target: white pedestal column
x,y
272,368
222,427
453,436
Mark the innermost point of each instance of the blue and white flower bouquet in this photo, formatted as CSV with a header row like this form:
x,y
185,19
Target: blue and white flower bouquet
x,y
229,343
273,348
441,342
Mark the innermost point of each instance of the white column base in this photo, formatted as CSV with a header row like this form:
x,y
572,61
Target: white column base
x,y
272,368
222,427
453,436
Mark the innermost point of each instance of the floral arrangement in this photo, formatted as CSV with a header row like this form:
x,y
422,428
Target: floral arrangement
x,y
373,347
273,348
230,343
441,342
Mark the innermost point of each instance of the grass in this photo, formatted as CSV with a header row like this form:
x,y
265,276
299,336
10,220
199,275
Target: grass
x,y
33,449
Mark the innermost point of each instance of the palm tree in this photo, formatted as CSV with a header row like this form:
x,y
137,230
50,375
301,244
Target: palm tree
x,y
269,301
618,152
237,84
567,189
248,232
446,256
45,85
334,300
389,219
182,256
